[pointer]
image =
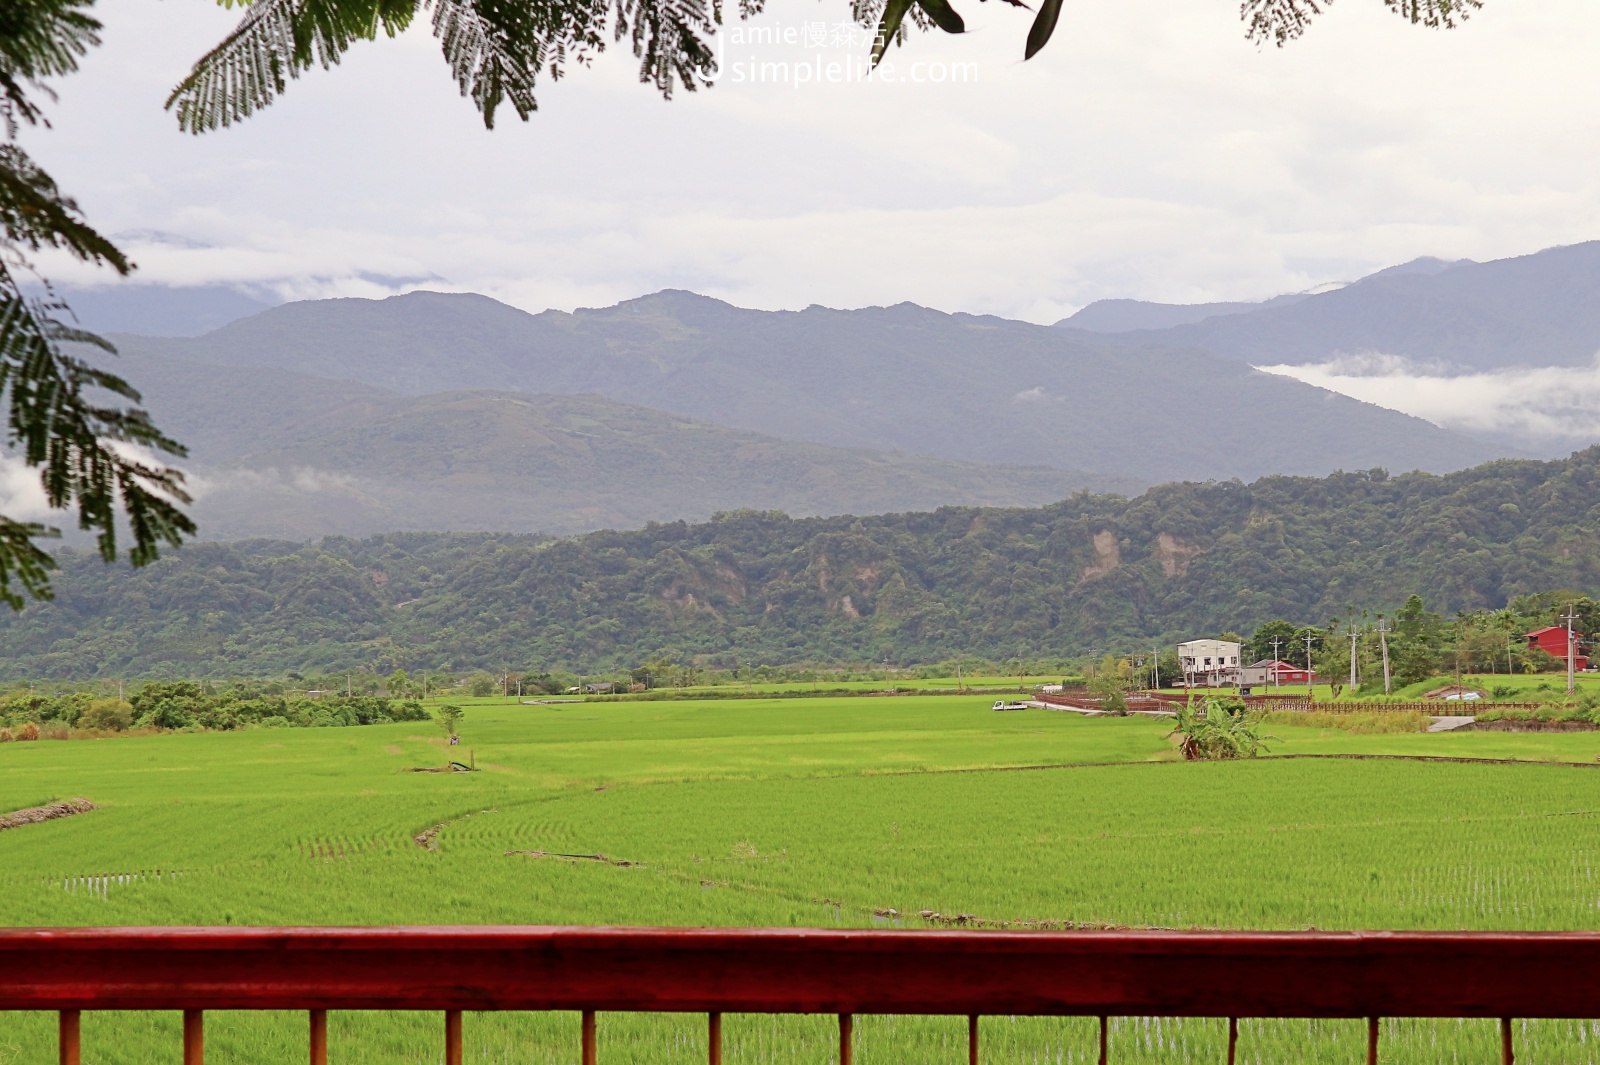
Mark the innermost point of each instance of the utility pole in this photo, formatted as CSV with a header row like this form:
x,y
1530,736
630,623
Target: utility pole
x,y
1569,617
347,685
1155,662
1383,640
1354,636
1311,676
1277,684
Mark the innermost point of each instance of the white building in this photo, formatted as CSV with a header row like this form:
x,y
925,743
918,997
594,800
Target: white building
x,y
1204,660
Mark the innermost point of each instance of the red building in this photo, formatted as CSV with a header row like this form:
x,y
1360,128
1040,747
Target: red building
x,y
1284,671
1553,640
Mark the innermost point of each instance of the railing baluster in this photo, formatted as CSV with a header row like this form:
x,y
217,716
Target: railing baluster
x,y
1506,1056
589,1051
194,1037
1372,1041
319,1037
71,1044
452,1037
1103,1025
1233,1038
714,1038
972,1039
847,1027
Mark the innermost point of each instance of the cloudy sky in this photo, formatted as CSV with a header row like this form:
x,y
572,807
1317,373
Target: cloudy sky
x,y
1148,152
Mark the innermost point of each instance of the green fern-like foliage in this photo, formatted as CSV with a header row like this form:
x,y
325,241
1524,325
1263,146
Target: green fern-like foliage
x,y
1281,21
53,419
497,49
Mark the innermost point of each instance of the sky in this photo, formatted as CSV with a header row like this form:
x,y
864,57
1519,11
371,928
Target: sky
x,y
1148,152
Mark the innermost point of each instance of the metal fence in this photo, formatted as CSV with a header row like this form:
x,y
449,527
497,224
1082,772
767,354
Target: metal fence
x,y
791,970
1292,703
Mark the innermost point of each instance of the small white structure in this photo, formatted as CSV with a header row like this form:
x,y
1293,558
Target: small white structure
x,y
1208,661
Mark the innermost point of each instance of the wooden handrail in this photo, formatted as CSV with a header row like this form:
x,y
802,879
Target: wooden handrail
x,y
796,970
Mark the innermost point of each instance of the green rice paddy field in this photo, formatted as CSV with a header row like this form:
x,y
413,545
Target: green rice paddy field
x,y
800,812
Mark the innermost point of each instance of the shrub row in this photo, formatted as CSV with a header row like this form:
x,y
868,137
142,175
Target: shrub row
x,y
1581,712
1357,723
186,705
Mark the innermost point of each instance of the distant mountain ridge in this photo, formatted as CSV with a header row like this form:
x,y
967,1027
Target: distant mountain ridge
x,y
1528,311
1125,315
903,378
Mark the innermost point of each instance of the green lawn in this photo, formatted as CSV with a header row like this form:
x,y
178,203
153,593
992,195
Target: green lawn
x,y
799,812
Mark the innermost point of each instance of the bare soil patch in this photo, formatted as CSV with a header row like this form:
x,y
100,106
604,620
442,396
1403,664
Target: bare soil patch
x,y
619,862
35,814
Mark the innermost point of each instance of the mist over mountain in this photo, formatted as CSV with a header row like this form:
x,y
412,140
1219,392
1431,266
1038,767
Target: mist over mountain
x,y
159,310
903,378
1530,311
290,455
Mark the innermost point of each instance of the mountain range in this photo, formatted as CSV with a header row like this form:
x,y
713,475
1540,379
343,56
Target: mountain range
x,y
432,410
903,378
1529,311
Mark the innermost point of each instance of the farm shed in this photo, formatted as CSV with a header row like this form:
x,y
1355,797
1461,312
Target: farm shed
x,y
1285,672
1552,639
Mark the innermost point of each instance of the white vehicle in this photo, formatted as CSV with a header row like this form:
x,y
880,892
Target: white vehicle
x,y
1003,705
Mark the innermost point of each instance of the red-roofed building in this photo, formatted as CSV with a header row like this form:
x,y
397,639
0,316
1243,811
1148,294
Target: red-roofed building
x,y
1285,672
1553,640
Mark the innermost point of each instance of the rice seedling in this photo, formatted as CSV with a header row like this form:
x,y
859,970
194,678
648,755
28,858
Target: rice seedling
x,y
853,813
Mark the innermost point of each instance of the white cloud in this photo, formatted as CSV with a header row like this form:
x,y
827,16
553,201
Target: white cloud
x,y
303,479
1553,407
22,495
1148,152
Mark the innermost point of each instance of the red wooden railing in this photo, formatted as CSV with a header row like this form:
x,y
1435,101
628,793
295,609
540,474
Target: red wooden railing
x,y
713,971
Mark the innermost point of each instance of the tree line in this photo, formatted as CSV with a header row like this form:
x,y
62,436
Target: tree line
x,y
1089,575
173,705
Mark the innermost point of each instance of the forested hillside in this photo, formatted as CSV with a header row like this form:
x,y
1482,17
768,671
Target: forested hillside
x,y
284,454
1092,572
